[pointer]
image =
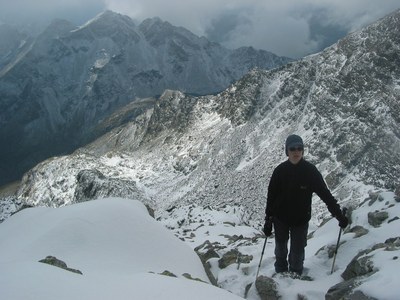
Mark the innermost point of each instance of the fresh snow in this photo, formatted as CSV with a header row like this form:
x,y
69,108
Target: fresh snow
x,y
121,252
117,246
227,226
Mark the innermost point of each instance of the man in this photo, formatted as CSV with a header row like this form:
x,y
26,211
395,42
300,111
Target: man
x,y
289,205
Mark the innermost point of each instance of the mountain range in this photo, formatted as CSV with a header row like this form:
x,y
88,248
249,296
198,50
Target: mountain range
x,y
55,88
179,149
202,164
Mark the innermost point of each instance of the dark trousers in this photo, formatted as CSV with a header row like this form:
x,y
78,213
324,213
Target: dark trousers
x,y
298,241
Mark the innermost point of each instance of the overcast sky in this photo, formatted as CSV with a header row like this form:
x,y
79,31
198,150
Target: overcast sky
x,y
291,28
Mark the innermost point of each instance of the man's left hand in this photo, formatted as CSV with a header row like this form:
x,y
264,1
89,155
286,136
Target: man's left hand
x,y
343,221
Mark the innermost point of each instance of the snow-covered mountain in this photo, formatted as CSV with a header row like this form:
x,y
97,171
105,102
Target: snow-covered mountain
x,y
208,150
56,88
203,164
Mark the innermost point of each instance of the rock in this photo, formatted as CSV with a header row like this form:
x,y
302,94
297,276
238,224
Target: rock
x,y
329,249
393,219
359,231
168,273
188,276
393,242
211,253
362,265
228,258
267,288
397,193
92,184
339,290
207,250
358,270
150,210
358,295
205,256
54,261
359,266
376,218
233,256
345,291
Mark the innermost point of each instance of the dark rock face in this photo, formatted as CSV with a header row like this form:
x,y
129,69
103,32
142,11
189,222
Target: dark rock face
x,y
92,184
56,89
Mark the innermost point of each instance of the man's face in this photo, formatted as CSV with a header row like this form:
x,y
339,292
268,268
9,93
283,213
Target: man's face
x,y
295,154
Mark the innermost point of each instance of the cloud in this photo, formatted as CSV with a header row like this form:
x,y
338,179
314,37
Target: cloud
x,y
43,11
287,27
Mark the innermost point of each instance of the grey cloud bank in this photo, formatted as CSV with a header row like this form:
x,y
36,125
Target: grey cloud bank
x,y
293,28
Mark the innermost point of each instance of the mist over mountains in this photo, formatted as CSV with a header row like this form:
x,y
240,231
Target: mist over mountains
x,y
57,87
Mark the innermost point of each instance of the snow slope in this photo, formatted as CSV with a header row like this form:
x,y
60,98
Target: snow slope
x,y
117,246
121,252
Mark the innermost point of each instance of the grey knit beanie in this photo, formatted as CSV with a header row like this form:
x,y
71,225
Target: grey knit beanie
x,y
293,140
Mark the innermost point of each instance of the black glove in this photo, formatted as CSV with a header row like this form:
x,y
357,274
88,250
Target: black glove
x,y
268,226
343,221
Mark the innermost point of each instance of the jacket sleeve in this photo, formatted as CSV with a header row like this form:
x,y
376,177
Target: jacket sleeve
x,y
272,195
323,192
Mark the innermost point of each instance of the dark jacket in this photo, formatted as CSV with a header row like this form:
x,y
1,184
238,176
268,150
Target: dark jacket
x,y
290,191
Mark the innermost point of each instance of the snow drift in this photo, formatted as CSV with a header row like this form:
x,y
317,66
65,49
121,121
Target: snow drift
x,y
119,249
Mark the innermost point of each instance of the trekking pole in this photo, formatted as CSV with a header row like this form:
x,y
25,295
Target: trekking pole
x,y
258,270
336,250
262,254
337,243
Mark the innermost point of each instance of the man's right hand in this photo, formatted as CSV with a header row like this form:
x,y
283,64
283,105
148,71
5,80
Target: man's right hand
x,y
268,226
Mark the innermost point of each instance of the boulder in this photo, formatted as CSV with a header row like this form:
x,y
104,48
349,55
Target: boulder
x,y
54,261
360,265
233,256
360,268
345,291
359,231
267,288
92,184
376,218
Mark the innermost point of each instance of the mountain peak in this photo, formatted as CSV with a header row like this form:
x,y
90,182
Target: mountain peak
x,y
108,21
105,15
152,21
154,24
158,32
